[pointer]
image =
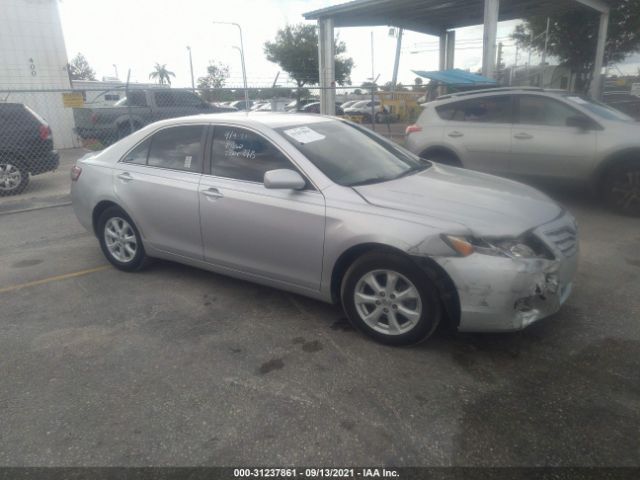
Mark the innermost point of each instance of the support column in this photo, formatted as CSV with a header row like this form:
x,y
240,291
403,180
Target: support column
x,y
451,49
326,64
596,81
443,51
491,10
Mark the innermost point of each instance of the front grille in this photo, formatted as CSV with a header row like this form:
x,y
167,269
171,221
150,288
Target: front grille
x,y
564,239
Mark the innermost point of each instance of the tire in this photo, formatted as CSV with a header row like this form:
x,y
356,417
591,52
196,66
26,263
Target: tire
x,y
14,178
443,157
120,240
124,129
416,316
621,188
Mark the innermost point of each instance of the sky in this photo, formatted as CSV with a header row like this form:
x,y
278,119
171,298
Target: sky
x,y
137,34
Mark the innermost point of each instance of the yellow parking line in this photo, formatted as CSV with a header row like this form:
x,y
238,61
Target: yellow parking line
x,y
55,278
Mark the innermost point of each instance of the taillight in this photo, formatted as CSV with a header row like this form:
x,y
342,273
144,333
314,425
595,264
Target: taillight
x,y
94,118
45,132
413,129
75,173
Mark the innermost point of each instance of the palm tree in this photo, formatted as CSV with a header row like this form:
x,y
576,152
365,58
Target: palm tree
x,y
161,74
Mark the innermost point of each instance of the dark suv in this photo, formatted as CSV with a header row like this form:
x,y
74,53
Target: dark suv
x,y
26,147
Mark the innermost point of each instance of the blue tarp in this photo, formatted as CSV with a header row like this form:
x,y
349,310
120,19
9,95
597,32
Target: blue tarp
x,y
455,76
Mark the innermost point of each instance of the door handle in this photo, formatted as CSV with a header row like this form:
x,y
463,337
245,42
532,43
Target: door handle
x,y
456,134
125,177
212,193
523,136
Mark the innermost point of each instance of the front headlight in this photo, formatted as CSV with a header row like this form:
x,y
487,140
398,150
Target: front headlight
x,y
506,247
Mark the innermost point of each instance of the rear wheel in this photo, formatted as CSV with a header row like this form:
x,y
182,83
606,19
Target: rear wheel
x,y
621,188
388,297
120,240
14,178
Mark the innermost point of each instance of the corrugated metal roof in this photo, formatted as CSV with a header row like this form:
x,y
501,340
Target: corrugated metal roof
x,y
455,77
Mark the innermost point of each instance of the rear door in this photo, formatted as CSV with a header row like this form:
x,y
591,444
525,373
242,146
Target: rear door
x,y
272,233
479,131
543,144
157,184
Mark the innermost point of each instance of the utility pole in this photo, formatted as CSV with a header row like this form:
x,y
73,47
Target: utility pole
x,y
396,62
499,62
244,68
115,67
546,42
372,65
193,84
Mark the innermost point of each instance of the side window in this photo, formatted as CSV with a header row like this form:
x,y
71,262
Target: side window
x,y
244,155
495,109
538,110
164,99
446,112
177,148
139,154
137,99
186,99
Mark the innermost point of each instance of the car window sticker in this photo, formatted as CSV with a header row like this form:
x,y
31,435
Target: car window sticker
x,y
304,135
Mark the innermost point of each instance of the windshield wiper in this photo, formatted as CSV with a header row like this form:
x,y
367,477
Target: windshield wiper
x,y
416,169
368,181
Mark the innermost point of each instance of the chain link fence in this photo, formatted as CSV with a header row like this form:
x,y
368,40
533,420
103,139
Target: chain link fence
x,y
43,132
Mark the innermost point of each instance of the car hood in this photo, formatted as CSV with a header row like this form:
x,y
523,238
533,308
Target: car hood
x,y
488,205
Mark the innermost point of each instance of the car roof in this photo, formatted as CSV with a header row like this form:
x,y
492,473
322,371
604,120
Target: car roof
x,y
252,118
500,91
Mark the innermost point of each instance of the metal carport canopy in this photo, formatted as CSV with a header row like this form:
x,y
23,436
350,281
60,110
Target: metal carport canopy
x,y
432,17
436,17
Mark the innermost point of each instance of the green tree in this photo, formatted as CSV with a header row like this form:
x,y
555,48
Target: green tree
x,y
161,74
295,49
573,37
79,68
216,77
368,86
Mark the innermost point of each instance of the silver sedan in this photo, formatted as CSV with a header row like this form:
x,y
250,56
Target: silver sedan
x,y
328,209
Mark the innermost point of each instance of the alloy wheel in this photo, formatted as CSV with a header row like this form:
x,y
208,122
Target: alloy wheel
x,y
10,177
388,302
120,239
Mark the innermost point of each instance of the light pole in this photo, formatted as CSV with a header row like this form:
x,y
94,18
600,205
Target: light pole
x,y
193,85
244,69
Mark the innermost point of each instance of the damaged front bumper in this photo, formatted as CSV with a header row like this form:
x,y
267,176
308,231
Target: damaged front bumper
x,y
507,294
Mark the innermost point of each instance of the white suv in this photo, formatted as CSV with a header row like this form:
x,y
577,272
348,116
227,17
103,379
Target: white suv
x,y
535,132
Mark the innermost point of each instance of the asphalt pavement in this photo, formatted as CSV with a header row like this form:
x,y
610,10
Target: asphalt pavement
x,y
177,366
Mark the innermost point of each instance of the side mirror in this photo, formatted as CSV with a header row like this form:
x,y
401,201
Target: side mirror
x,y
284,179
578,121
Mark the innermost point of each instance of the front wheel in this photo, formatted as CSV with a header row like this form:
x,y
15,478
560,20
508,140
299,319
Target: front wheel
x,y
13,178
621,188
120,240
391,299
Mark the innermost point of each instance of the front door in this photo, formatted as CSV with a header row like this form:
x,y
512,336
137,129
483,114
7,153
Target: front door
x,y
273,234
157,182
543,145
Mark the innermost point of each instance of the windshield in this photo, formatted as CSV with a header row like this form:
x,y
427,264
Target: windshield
x,y
600,109
351,155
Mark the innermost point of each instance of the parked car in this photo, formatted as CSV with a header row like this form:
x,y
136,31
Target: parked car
x,y
298,104
241,104
326,208
623,101
349,103
535,133
138,109
315,108
363,109
26,147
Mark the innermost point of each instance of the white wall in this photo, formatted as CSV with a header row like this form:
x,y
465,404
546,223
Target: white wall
x,y
33,56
